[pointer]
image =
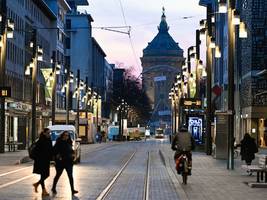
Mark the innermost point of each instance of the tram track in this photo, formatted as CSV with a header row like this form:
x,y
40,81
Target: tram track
x,y
108,189
146,185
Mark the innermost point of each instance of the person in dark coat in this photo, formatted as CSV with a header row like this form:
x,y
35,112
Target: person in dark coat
x,y
63,153
248,149
183,142
43,155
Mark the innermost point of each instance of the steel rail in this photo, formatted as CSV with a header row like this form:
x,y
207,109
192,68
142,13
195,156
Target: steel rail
x,y
108,188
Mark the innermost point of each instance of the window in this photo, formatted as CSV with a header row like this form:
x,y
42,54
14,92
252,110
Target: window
x,y
67,43
68,24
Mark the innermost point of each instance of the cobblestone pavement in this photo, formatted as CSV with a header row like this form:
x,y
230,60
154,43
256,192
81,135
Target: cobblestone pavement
x,y
97,168
161,186
130,184
100,163
212,181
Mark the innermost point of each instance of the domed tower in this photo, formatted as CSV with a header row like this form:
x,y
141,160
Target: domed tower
x,y
162,60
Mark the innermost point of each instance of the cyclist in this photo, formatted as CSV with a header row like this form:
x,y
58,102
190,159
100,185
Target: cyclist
x,y
183,142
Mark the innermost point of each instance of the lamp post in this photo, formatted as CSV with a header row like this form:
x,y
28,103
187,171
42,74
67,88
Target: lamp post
x,y
87,93
34,83
122,111
32,69
54,75
189,68
66,89
69,79
97,96
209,70
231,85
78,102
2,74
175,115
37,56
198,42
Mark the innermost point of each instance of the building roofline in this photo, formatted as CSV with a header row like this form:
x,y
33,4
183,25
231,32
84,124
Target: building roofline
x,y
81,15
81,2
98,46
45,8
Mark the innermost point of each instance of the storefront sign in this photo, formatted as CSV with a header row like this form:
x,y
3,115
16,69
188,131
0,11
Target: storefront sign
x,y
5,91
19,106
192,103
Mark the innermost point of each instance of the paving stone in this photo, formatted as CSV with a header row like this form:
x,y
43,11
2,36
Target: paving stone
x,y
211,180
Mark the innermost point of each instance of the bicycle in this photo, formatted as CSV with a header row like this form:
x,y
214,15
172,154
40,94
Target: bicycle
x,y
182,167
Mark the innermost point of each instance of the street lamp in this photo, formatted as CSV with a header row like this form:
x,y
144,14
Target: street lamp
x,y
55,72
32,68
210,44
66,88
76,95
198,63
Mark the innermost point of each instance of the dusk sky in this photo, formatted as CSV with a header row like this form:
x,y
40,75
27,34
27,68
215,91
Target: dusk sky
x,y
144,17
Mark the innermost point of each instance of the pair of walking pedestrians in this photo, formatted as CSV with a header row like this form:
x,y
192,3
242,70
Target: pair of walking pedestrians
x,y
43,152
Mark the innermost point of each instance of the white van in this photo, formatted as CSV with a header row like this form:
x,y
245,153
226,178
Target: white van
x,y
56,130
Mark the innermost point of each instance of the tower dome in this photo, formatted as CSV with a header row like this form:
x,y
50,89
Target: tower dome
x,y
163,44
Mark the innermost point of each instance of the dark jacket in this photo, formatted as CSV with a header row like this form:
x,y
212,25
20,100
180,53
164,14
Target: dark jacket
x,y
248,148
63,152
183,141
43,156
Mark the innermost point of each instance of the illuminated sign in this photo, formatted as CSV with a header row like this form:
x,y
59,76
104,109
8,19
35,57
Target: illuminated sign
x,y
5,91
191,102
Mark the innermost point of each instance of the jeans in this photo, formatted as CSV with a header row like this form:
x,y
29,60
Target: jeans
x,y
59,170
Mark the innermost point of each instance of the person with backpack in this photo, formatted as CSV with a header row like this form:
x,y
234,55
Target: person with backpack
x,y
42,155
63,153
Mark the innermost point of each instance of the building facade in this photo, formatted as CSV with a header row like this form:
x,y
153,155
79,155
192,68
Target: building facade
x,y
60,9
162,61
108,90
78,25
253,54
27,15
250,63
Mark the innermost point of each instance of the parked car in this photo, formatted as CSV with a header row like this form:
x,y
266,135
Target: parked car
x,y
56,130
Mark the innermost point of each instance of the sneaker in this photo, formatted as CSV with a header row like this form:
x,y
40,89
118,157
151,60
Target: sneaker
x,y
74,192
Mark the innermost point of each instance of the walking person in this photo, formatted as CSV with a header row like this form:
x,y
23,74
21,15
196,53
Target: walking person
x,y
42,157
248,149
64,160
